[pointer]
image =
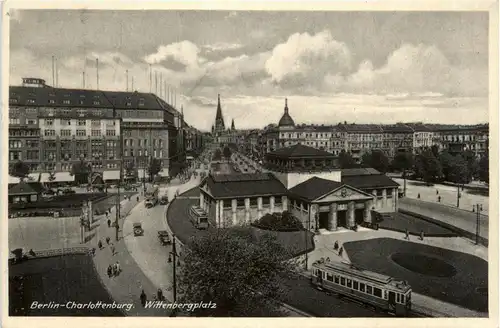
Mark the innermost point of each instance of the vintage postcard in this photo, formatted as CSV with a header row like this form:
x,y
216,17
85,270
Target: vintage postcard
x,y
250,160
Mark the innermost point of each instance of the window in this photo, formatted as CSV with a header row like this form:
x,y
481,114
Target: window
x,y
81,133
50,133
377,292
368,289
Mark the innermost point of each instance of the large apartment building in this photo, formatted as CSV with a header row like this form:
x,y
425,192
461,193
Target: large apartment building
x,y
52,128
359,139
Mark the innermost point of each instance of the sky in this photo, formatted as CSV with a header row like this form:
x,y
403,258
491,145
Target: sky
x,y
356,67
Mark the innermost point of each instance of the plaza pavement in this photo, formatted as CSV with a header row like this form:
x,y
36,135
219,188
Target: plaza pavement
x,y
448,194
325,248
456,217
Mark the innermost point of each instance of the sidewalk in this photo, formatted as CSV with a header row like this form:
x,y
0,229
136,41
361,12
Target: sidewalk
x,y
127,286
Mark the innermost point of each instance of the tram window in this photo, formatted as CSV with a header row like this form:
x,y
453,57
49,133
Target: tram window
x,y
337,279
362,287
342,281
355,285
329,277
377,292
368,289
349,283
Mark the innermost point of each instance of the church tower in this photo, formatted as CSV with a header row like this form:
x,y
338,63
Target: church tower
x,y
219,119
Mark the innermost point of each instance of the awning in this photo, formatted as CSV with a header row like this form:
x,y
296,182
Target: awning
x,y
13,179
64,177
45,177
111,175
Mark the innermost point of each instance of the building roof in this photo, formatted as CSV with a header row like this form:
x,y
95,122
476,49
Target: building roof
x,y
369,181
361,128
299,151
314,188
26,188
286,119
359,171
132,100
244,185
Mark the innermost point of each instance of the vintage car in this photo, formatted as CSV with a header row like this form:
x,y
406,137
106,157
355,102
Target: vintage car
x,y
138,231
164,237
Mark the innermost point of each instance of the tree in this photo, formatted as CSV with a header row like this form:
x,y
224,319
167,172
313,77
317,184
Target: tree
x,y
81,171
154,168
217,155
237,270
484,168
458,170
428,167
20,170
227,152
402,161
346,161
377,160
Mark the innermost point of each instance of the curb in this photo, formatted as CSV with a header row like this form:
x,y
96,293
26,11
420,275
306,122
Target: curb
x,y
467,234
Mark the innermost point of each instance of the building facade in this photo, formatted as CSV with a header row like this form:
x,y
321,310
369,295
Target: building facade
x,y
50,129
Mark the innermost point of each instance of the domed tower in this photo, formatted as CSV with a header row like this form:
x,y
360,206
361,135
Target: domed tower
x,y
286,120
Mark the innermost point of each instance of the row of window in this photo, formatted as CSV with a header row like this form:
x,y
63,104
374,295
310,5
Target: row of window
x,y
156,154
240,202
357,285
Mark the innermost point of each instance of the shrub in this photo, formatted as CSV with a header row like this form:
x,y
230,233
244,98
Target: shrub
x,y
285,221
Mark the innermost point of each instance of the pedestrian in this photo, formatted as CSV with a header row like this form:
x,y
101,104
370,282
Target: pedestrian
x,y
422,235
159,294
407,234
110,271
143,298
107,240
99,244
109,223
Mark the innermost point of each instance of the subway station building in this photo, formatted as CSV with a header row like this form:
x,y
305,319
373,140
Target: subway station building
x,y
304,181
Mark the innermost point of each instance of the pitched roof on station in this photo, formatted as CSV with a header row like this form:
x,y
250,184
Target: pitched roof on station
x,y
299,151
314,188
369,181
244,185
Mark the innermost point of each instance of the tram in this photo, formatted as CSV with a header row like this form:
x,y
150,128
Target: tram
x,y
378,290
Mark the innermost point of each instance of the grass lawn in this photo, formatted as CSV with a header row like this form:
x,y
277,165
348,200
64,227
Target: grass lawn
x,y
450,276
59,280
401,222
